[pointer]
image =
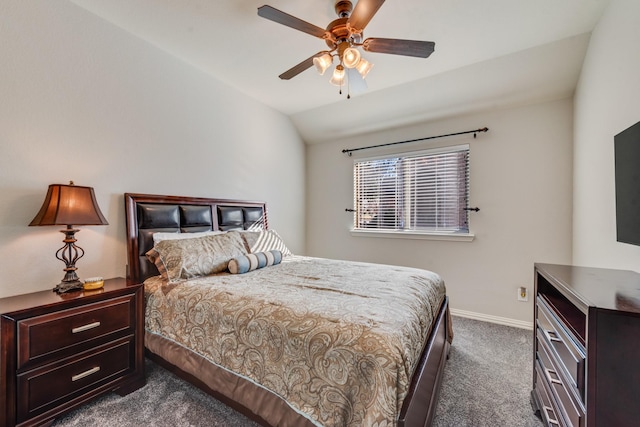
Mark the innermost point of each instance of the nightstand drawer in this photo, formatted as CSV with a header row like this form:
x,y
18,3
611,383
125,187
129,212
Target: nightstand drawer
x,y
46,387
53,333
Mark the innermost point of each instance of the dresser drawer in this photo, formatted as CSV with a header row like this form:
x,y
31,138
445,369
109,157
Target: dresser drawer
x,y
571,356
571,410
549,408
44,388
52,334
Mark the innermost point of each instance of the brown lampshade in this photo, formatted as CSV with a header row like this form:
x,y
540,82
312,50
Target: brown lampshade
x,y
69,205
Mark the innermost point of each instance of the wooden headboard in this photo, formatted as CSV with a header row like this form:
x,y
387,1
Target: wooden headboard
x,y
149,213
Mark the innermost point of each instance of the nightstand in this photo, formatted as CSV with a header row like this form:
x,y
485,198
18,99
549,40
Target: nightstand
x,y
60,351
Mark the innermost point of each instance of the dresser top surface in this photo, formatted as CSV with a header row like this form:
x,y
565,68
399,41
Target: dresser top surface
x,y
596,287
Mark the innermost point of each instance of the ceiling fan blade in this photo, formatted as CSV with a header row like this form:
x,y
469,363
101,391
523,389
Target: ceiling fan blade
x,y
280,17
297,69
362,14
417,48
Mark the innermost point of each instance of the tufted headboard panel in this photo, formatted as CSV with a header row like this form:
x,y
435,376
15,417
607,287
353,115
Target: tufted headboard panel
x,y
148,213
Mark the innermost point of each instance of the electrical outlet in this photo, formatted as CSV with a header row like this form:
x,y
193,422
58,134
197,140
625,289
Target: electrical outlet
x,y
523,294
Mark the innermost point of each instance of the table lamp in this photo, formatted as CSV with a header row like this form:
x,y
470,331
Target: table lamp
x,y
69,205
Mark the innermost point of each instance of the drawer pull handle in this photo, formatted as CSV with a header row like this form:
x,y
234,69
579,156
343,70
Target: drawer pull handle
x,y
549,372
85,373
552,336
85,327
550,412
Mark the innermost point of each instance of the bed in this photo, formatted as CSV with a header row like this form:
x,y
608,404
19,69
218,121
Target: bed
x,y
294,343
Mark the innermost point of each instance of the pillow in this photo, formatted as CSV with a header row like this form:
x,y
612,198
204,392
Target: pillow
x,y
264,241
250,262
160,236
189,258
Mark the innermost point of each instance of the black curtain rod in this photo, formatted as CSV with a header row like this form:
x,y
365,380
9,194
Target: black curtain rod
x,y
350,150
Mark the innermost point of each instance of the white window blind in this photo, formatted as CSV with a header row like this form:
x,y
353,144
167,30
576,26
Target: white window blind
x,y
426,191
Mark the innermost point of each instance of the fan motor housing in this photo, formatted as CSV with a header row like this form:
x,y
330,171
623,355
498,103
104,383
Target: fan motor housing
x,y
338,28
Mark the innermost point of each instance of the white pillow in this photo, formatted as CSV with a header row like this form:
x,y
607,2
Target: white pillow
x,y
160,236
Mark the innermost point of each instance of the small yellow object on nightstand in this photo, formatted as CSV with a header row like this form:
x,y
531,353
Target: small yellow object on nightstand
x,y
93,283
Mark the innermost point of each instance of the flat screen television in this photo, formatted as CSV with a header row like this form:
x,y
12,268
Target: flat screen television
x,y
627,176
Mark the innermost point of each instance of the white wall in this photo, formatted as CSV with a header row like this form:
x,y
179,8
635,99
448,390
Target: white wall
x,y
83,100
520,178
607,101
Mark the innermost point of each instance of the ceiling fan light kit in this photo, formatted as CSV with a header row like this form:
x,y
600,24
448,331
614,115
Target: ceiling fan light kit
x,y
344,37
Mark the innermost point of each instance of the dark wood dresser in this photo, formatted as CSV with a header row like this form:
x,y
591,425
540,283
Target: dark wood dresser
x,y
586,349
59,351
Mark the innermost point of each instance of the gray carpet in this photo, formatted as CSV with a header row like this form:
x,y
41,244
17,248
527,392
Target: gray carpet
x,y
488,377
487,382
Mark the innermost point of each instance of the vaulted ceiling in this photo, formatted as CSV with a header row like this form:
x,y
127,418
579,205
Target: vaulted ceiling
x,y
488,54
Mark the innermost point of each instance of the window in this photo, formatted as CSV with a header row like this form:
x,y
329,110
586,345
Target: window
x,y
423,192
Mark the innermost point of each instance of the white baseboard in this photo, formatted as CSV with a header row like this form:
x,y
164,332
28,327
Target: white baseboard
x,y
493,319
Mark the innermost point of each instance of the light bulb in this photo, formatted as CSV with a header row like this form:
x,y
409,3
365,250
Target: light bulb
x,y
323,62
364,67
351,57
338,76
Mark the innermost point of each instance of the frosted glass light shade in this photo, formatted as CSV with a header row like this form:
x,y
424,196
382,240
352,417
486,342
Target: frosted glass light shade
x,y
351,57
338,76
323,62
364,67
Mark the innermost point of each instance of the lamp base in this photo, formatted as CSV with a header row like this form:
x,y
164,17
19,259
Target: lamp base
x,y
69,254
64,287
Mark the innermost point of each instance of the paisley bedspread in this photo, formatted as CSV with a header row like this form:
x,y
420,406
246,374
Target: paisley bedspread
x,y
337,340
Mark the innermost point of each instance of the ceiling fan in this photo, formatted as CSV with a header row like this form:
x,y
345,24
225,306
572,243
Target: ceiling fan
x,y
343,36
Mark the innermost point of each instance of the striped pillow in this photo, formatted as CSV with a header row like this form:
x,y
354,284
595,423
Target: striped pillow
x,y
244,264
264,241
